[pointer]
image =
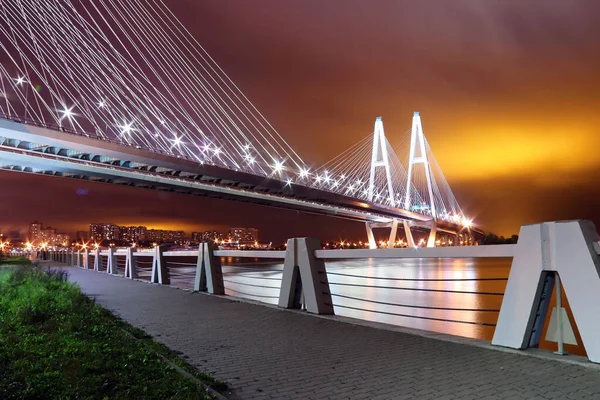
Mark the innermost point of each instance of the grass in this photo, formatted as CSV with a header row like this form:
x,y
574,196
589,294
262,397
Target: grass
x,y
56,343
13,261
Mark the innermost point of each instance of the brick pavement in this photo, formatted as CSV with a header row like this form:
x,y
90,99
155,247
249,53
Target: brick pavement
x,y
267,353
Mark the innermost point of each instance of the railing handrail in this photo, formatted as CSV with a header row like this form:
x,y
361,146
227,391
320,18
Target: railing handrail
x,y
251,253
488,251
484,251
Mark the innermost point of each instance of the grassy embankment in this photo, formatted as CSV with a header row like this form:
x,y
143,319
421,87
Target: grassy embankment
x,y
57,343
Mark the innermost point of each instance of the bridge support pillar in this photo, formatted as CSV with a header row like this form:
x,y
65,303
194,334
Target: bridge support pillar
x,y
86,259
432,235
370,236
393,225
410,241
160,271
209,276
131,266
566,248
393,231
304,275
78,261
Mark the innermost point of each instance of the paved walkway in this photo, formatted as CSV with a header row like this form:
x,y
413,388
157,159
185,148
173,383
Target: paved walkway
x,y
267,353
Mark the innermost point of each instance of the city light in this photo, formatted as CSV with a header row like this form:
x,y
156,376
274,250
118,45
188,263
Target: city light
x,y
176,141
20,80
288,182
467,223
101,104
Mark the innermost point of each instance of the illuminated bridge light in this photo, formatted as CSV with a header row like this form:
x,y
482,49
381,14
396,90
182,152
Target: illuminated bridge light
x,y
66,112
304,172
101,104
278,166
20,80
126,127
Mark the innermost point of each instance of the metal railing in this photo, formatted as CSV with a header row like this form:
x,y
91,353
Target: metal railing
x,y
276,285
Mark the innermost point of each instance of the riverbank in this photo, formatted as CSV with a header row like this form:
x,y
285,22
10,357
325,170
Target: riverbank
x,y
57,343
270,353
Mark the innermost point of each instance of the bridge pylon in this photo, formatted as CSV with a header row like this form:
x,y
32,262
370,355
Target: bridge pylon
x,y
379,158
418,155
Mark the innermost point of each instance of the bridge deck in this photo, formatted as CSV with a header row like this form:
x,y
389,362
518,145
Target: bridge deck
x,y
267,353
25,147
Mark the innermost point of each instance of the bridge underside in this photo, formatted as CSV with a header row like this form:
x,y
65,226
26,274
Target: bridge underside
x,y
39,150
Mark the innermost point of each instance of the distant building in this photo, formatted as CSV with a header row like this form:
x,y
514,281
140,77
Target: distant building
x,y
35,232
48,236
159,235
104,231
132,234
207,236
244,235
62,239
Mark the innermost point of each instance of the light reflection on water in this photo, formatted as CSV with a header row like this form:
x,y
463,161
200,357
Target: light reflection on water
x,y
260,280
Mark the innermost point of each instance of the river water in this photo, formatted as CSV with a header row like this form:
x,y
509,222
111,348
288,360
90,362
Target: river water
x,y
455,296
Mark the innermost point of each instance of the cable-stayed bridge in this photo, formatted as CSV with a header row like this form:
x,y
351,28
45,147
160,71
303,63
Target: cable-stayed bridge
x,y
118,91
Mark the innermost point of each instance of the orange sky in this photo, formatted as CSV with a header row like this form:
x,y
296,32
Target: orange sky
x,y
508,92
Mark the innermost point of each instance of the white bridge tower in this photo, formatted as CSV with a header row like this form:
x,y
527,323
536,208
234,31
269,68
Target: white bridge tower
x,y
379,158
418,155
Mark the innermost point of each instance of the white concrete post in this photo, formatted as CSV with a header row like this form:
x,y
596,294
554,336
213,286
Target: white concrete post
x,y
566,247
304,274
160,271
209,275
97,260
131,266
111,263
86,259
78,261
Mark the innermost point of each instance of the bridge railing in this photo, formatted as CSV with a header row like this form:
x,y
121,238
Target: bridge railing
x,y
544,251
